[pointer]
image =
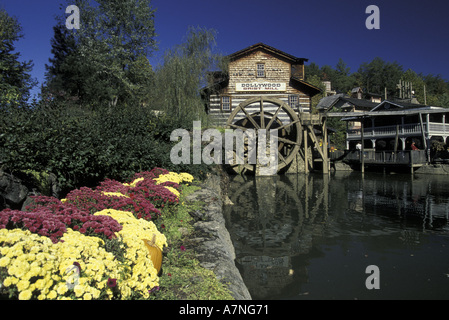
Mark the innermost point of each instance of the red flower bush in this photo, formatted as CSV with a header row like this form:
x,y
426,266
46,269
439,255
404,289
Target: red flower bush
x,y
95,200
157,194
42,222
112,186
51,203
45,222
48,216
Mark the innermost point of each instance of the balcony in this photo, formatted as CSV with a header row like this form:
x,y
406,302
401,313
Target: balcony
x,y
434,129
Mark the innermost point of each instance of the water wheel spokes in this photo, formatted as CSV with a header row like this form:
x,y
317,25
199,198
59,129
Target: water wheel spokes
x,y
270,114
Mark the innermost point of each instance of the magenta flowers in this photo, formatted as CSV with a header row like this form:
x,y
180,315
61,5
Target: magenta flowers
x,y
46,222
51,217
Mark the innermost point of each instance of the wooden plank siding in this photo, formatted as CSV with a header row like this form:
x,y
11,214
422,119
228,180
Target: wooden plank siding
x,y
261,65
220,117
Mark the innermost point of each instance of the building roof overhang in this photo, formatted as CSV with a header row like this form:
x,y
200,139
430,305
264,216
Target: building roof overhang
x,y
305,86
261,46
386,104
351,116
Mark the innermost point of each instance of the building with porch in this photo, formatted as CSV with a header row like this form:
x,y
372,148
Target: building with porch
x,y
395,125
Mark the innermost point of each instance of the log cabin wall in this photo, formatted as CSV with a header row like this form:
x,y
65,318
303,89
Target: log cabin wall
x,y
260,70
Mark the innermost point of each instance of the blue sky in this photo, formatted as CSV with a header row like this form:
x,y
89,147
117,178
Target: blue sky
x,y
413,33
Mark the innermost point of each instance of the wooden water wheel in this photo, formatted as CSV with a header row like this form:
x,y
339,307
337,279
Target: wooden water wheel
x,y
268,113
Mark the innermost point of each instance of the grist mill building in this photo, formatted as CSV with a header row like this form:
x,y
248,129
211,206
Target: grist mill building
x,y
259,70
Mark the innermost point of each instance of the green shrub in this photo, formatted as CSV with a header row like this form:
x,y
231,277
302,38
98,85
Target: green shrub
x,y
83,147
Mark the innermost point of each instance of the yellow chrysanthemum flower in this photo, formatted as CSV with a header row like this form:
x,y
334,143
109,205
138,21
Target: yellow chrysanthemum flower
x,y
52,295
134,183
35,265
143,275
187,177
117,194
174,177
25,295
4,261
173,190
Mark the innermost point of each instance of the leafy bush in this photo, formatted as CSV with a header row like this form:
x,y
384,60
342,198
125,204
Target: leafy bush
x,y
84,147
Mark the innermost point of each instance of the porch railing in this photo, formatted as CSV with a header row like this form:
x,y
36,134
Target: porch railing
x,y
407,157
406,129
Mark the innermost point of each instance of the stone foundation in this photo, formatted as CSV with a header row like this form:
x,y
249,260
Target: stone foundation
x,y
215,250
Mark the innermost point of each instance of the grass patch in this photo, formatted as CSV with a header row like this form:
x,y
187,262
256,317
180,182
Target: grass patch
x,y
182,277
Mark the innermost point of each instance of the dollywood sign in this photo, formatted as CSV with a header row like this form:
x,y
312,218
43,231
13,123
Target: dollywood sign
x,y
261,86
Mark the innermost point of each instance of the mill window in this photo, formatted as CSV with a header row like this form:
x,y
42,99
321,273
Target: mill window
x,y
293,101
260,67
226,103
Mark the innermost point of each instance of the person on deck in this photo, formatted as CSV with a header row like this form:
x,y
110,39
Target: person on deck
x,y
414,147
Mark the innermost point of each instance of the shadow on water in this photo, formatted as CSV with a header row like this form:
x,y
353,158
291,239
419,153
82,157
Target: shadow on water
x,y
313,236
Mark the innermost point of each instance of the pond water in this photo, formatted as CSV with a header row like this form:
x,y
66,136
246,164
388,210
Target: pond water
x,y
313,236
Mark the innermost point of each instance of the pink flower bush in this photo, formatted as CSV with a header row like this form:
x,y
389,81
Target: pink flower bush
x,y
157,194
46,222
51,217
96,200
110,185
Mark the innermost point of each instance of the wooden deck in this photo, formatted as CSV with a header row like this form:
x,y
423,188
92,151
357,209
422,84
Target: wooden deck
x,y
406,159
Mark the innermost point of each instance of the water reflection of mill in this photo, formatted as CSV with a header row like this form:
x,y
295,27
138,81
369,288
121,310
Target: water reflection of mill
x,y
275,219
272,220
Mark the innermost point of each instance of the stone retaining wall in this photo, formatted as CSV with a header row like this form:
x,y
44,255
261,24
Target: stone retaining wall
x,y
440,169
215,250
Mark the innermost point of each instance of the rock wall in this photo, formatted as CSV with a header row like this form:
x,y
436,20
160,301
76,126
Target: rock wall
x,y
15,191
215,250
12,191
441,169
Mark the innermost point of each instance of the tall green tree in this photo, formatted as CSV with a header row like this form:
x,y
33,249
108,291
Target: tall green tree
x,y
184,73
15,78
378,75
417,84
317,82
437,90
311,70
107,57
341,79
60,78
344,81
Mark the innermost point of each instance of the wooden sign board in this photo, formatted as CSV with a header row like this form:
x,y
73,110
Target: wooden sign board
x,y
261,86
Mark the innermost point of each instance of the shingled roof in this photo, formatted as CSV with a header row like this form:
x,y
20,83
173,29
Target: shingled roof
x,y
262,46
340,100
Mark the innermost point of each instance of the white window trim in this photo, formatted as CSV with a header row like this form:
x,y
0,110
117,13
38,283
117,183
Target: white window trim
x,y
261,70
296,98
228,103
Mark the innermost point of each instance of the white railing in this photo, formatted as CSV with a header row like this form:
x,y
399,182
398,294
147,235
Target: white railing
x,y
438,128
407,129
408,157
